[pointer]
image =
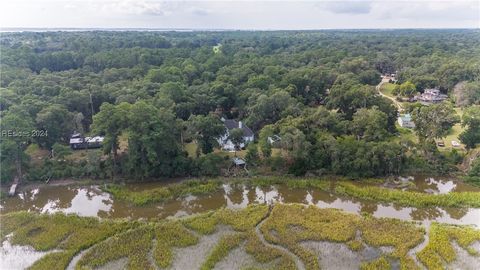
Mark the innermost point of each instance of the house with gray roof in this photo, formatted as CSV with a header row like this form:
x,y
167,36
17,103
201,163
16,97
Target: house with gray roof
x,y
431,96
225,143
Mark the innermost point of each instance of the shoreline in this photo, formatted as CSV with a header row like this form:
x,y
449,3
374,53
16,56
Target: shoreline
x,y
29,185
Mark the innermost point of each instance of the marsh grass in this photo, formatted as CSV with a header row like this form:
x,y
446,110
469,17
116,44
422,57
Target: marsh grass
x,y
148,245
201,187
341,187
336,226
195,187
54,261
243,222
409,198
355,245
168,235
440,248
68,233
133,244
378,264
221,250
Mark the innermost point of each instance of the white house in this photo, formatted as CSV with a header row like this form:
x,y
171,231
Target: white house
x,y
430,96
274,139
405,120
230,124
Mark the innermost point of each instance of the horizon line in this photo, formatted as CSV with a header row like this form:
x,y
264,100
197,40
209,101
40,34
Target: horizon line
x,y
57,29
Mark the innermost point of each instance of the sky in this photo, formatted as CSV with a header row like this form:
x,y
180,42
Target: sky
x,y
243,14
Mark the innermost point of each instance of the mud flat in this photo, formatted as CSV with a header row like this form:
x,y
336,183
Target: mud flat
x,y
466,261
192,257
339,256
18,257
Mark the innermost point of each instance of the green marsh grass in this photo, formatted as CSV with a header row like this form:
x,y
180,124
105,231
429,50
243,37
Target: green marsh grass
x,y
440,249
409,198
149,245
221,250
195,187
378,264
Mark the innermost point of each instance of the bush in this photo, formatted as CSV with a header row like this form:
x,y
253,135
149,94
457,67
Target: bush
x,y
276,163
209,165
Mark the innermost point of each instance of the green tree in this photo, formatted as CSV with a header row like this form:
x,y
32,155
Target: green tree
x,y
475,169
252,157
206,130
434,121
154,147
349,96
265,146
57,122
111,121
236,136
60,151
269,109
407,89
16,128
369,124
471,122
295,142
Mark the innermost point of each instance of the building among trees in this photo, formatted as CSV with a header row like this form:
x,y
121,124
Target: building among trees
x,y
405,121
77,141
431,96
225,141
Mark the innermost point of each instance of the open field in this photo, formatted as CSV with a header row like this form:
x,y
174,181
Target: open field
x,y
283,236
387,89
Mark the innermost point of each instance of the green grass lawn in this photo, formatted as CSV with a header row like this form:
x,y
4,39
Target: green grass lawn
x,y
387,89
453,135
191,149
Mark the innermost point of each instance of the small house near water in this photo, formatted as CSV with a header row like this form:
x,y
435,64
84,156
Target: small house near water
x,y
77,141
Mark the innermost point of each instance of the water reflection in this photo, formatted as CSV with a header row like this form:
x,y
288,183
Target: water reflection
x,y
91,201
18,257
84,203
437,185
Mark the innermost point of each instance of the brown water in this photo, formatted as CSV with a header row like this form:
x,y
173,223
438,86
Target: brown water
x,y
91,201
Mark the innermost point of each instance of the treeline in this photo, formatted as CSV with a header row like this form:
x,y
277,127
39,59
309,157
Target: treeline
x,y
315,89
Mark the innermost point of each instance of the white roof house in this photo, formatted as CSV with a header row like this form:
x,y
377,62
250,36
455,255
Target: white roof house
x,y
430,96
77,141
405,120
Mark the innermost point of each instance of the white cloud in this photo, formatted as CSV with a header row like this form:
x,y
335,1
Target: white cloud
x,y
436,11
347,7
267,14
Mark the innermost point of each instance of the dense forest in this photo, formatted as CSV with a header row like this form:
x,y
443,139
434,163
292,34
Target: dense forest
x,y
153,95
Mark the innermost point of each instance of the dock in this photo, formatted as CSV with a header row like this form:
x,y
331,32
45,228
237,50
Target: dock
x,y
12,190
13,187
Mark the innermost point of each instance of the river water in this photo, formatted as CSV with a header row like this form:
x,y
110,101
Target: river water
x,y
91,201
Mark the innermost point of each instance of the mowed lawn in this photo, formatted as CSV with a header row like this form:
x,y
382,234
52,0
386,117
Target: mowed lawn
x,y
453,135
387,89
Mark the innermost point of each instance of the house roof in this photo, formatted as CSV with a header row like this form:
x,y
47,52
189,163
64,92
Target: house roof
x,y
406,117
76,140
231,124
238,161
